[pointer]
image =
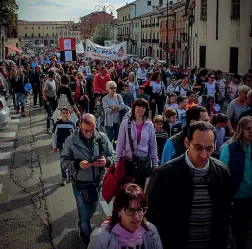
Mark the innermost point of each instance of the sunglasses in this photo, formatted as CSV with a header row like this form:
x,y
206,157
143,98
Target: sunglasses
x,y
80,78
113,88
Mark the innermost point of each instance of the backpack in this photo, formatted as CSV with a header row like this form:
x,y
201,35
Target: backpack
x,y
63,102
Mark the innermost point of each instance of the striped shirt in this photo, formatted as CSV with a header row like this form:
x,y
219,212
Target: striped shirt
x,y
200,224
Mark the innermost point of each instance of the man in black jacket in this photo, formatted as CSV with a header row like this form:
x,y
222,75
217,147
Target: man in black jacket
x,y
190,196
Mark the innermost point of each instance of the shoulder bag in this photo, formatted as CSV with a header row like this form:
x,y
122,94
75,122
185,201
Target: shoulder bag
x,y
142,167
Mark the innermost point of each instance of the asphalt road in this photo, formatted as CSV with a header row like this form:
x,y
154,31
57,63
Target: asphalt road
x,y
35,212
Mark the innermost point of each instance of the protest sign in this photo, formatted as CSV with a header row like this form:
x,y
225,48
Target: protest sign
x,y
114,52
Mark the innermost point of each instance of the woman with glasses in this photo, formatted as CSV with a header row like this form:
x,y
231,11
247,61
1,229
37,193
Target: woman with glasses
x,y
127,227
137,143
80,93
112,104
237,155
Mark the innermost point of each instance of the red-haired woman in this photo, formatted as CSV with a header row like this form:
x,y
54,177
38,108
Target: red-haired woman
x,y
127,227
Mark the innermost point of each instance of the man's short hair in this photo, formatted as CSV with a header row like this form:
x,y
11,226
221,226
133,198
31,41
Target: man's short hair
x,y
181,99
193,113
88,120
65,109
51,74
189,92
201,126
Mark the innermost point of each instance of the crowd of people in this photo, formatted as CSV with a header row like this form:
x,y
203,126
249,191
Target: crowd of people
x,y
188,130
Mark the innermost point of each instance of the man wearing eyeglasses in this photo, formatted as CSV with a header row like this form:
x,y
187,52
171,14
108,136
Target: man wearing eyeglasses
x,y
190,196
86,153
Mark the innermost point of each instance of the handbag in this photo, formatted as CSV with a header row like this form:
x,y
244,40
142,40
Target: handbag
x,y
114,178
142,167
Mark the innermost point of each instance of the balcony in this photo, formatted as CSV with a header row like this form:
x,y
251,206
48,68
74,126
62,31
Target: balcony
x,y
155,41
146,25
153,24
149,40
144,40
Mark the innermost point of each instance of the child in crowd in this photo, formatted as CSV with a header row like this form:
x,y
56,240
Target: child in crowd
x,y
133,85
171,88
141,94
220,122
211,107
171,101
61,130
181,101
95,108
161,134
171,125
190,99
127,96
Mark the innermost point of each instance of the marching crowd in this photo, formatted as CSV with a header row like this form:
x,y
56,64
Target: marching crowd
x,y
188,131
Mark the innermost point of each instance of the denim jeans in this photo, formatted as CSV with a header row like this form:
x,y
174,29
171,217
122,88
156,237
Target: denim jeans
x,y
98,122
20,101
85,212
112,132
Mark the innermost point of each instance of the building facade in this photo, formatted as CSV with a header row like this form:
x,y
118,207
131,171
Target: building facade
x,y
90,21
124,26
70,31
219,35
41,32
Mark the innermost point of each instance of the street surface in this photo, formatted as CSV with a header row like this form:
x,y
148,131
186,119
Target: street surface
x,y
35,212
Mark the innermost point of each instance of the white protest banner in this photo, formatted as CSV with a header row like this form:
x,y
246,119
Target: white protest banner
x,y
114,52
80,48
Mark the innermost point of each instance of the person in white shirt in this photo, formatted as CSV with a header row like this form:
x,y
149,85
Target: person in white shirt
x,y
141,74
157,93
171,88
171,101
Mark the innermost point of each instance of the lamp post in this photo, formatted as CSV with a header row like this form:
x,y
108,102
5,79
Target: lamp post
x,y
104,8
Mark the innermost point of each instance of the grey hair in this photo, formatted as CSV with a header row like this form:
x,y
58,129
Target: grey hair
x,y
243,88
110,84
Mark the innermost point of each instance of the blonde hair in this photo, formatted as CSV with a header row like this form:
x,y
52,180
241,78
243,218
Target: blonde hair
x,y
132,74
238,135
243,88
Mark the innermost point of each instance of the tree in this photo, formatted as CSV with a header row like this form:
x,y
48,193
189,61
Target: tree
x,y
8,9
103,33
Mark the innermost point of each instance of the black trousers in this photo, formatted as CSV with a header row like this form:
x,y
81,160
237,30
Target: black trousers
x,y
36,94
159,102
241,215
129,171
52,105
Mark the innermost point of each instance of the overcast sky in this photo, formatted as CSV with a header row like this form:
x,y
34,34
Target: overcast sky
x,y
60,10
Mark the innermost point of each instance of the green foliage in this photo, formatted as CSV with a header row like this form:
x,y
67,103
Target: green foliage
x,y
8,9
103,33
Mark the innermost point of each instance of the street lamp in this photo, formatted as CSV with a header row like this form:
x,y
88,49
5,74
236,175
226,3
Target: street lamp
x,y
167,30
103,8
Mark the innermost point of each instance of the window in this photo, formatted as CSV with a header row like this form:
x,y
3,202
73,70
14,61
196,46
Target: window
x,y
47,34
173,23
31,27
203,13
38,34
46,27
16,45
38,27
52,27
149,3
157,52
202,56
161,2
32,34
52,34
235,9
25,28
233,62
25,34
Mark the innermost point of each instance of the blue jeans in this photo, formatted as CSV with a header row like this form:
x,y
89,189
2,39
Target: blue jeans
x,y
85,211
112,132
98,122
20,101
